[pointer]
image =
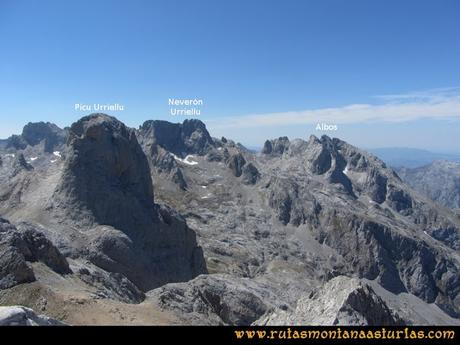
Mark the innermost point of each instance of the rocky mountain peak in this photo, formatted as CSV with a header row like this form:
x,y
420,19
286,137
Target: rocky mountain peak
x,y
189,137
106,189
341,301
276,146
21,164
35,133
106,174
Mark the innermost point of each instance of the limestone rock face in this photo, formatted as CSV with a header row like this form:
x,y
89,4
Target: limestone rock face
x,y
21,245
276,146
236,163
250,174
22,316
106,189
341,301
439,180
214,299
106,177
51,136
190,137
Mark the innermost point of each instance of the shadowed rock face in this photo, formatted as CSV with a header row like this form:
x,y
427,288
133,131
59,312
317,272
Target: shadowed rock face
x,y
276,146
189,137
341,301
21,316
106,188
440,181
23,244
236,163
160,140
106,177
213,299
40,132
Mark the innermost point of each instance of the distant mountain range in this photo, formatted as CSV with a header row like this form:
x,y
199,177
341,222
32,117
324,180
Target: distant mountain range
x,y
398,157
166,224
440,181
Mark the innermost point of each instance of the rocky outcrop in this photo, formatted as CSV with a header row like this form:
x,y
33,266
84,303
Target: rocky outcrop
x,y
163,142
440,181
33,134
23,244
250,174
213,300
292,203
106,189
355,204
106,178
165,163
22,316
236,162
276,146
20,164
341,301
182,139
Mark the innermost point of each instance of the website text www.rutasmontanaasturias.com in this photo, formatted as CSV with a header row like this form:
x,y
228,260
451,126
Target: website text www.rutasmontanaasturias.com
x,y
341,333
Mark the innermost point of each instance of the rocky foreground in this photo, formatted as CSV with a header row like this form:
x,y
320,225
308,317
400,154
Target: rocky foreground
x,y
306,232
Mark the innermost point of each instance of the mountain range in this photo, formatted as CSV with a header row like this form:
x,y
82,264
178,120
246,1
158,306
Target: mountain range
x,y
164,224
404,157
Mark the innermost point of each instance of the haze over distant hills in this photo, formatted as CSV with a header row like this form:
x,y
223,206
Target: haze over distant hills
x,y
411,158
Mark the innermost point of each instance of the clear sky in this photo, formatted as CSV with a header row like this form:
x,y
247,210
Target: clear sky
x,y
386,72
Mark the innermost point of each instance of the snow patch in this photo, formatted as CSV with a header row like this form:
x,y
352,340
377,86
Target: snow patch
x,y
33,158
345,171
187,160
57,154
11,155
53,160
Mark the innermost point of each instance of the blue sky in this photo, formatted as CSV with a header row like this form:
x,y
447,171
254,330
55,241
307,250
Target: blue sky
x,y
387,72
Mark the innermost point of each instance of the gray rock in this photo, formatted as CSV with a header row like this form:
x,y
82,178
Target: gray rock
x,y
276,146
25,244
49,135
22,316
250,174
20,164
106,177
106,189
190,137
341,301
213,299
42,249
319,209
439,180
236,162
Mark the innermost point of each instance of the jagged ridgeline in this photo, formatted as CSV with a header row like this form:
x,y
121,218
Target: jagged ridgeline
x,y
209,232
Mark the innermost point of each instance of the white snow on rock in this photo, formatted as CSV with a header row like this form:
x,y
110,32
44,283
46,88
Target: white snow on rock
x,y
53,160
187,160
22,316
33,158
345,171
57,154
11,155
